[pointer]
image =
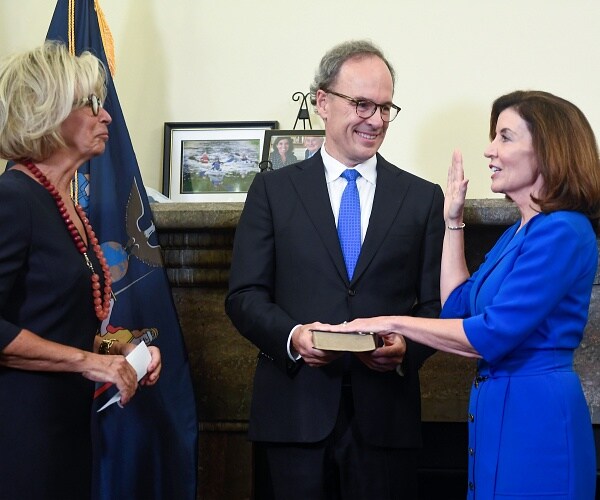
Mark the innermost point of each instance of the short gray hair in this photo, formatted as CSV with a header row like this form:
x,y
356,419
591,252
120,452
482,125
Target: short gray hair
x,y
38,90
332,61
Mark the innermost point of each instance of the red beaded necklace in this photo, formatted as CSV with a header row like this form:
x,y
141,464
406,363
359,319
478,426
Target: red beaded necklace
x,y
101,303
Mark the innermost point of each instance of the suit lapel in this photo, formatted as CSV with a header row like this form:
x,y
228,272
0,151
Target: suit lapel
x,y
390,192
311,186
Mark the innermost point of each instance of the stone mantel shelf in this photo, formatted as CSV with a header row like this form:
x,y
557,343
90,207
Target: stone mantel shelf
x,y
180,216
197,242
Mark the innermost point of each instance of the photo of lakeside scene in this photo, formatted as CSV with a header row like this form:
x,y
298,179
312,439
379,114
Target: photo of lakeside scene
x,y
213,166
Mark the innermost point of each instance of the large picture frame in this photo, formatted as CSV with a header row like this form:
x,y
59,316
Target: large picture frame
x,y
301,144
212,161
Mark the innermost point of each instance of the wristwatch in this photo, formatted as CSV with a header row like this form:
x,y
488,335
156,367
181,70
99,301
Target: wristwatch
x,y
105,346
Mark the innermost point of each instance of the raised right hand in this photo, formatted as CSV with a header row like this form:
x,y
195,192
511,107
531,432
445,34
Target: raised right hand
x,y
456,191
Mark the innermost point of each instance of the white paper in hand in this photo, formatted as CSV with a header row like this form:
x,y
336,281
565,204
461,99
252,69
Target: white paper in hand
x,y
139,358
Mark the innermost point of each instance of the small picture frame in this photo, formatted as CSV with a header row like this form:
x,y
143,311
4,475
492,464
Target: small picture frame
x,y
212,161
284,147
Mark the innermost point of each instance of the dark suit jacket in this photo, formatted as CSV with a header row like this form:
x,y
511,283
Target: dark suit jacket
x,y
288,269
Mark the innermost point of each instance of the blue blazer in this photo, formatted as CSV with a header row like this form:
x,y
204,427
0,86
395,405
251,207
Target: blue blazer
x,y
288,269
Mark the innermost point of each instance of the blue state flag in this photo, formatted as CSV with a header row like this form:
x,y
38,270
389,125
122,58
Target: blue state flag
x,y
148,450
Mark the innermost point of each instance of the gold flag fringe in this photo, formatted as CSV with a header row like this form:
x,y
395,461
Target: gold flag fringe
x,y
74,187
107,39
71,33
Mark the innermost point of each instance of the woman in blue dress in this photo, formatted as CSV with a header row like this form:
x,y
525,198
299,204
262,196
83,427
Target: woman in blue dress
x,y
523,313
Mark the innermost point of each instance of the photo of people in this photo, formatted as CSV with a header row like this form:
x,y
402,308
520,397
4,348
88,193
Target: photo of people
x,y
284,147
218,165
312,144
282,153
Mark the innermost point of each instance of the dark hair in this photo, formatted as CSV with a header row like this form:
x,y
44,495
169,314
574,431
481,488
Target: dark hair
x,y
565,148
332,61
277,140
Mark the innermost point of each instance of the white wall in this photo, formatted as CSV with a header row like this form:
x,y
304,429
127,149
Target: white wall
x,y
230,60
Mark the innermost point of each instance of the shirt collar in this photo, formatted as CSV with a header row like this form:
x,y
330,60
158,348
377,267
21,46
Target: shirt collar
x,y
334,168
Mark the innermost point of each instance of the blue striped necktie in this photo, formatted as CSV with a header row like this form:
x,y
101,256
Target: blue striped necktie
x,y
349,221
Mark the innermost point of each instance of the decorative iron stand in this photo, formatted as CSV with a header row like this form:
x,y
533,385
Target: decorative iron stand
x,y
303,113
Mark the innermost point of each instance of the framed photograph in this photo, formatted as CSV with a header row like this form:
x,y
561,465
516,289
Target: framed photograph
x,y
284,147
212,161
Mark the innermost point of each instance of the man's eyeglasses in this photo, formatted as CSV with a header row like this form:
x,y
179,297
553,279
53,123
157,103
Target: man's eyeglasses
x,y
366,109
94,102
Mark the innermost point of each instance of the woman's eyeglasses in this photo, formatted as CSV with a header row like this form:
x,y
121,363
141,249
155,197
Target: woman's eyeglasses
x,y
94,102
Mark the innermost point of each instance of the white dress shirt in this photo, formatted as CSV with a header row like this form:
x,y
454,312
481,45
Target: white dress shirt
x,y
365,184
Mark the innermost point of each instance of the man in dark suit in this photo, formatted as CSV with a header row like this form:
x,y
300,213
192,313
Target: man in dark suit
x,y
329,425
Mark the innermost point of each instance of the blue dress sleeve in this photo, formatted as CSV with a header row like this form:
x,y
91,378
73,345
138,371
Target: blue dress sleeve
x,y
458,303
542,286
